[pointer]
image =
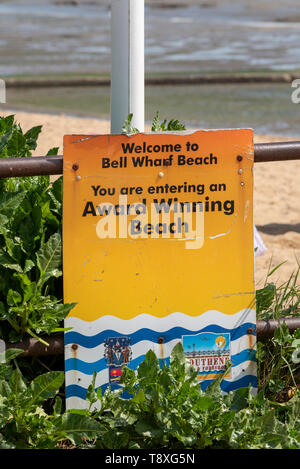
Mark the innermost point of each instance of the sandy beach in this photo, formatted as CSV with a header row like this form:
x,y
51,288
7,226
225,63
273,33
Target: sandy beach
x,y
276,191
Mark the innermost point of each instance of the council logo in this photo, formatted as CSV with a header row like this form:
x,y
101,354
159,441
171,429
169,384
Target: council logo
x,y
117,354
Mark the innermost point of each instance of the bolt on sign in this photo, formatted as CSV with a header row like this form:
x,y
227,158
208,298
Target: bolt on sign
x,y
158,249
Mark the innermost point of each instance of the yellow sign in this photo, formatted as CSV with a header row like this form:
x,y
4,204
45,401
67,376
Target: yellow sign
x,y
158,241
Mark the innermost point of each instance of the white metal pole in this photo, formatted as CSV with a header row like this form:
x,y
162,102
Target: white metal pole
x,y
127,72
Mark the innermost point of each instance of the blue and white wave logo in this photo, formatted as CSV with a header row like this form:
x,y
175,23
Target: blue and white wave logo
x,y
144,332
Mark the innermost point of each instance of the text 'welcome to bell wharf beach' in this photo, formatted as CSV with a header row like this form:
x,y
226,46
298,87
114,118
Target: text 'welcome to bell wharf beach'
x,y
142,158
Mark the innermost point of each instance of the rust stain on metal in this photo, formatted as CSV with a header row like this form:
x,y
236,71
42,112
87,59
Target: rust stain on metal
x,y
74,348
161,347
250,337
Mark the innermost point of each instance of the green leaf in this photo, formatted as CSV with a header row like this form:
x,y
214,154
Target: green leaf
x,y
57,406
268,421
5,389
57,192
155,123
13,298
12,353
16,382
4,139
149,368
8,262
10,202
148,430
3,221
204,403
128,128
214,388
49,256
29,264
53,151
16,146
77,411
178,354
175,125
240,399
265,297
275,268
61,329
178,362
276,385
91,396
31,136
75,427
139,398
45,386
99,393
6,123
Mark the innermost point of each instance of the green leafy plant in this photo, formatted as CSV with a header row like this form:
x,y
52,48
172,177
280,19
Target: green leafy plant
x,y
279,374
13,142
278,301
172,125
278,364
168,409
30,244
24,423
156,126
128,127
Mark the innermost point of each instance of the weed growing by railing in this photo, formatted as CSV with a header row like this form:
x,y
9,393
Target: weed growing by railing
x,y
30,244
278,370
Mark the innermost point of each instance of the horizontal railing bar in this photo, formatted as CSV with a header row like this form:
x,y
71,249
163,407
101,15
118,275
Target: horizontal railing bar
x,y
34,166
34,348
52,165
266,329
276,151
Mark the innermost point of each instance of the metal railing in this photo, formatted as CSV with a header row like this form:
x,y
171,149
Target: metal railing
x,y
53,165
